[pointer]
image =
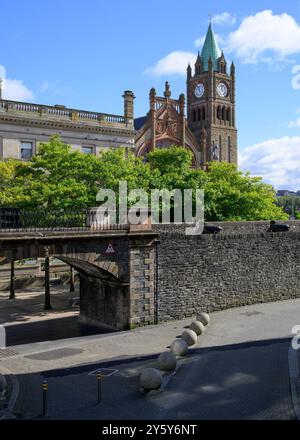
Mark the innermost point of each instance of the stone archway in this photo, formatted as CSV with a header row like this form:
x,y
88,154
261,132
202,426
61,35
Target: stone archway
x,y
117,288
104,299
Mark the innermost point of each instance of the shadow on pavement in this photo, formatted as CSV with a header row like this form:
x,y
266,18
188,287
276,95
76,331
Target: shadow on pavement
x,y
49,330
240,381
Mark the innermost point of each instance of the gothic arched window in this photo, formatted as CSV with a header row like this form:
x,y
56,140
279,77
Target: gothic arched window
x,y
228,114
194,115
219,112
229,149
203,113
224,113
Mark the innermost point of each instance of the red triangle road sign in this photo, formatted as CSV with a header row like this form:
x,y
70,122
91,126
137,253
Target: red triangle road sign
x,y
110,249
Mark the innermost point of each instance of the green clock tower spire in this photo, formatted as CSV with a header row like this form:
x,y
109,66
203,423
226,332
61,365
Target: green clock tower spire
x,y
210,50
211,104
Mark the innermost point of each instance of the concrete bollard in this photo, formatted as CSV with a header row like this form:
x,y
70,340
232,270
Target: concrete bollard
x,y
179,347
190,337
197,327
167,361
151,379
204,318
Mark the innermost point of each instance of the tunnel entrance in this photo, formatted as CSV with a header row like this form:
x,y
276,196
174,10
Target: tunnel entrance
x,y
71,315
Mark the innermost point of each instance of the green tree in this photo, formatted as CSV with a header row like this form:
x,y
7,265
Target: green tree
x,y
59,178
290,204
116,165
172,168
235,196
11,184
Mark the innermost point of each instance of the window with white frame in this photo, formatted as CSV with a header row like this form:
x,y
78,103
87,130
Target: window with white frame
x,y
26,150
87,150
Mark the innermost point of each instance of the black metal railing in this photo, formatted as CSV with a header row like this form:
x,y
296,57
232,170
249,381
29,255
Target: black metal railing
x,y
13,219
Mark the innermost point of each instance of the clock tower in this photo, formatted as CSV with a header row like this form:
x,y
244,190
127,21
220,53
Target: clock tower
x,y
211,103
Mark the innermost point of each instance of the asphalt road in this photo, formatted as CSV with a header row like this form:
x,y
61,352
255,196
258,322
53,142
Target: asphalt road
x,y
238,382
239,370
242,381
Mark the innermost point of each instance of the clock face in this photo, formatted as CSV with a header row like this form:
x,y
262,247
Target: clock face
x,y
222,90
199,90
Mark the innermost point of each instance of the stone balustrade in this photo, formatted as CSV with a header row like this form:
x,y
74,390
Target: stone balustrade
x,y
45,111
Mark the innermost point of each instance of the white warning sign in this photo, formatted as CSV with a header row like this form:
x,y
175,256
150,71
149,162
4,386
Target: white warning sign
x,y
110,249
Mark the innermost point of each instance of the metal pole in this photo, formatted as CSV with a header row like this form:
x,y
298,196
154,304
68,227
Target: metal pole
x,y
99,386
47,283
72,281
12,281
45,402
156,283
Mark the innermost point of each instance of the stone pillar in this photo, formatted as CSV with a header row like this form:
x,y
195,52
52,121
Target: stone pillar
x,y
142,274
128,106
12,281
188,80
104,304
153,118
72,280
47,282
182,115
203,147
232,74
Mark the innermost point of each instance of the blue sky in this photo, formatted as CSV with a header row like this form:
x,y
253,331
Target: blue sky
x,y
85,54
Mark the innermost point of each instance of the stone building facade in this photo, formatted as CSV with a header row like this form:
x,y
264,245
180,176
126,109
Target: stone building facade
x,y
207,127
23,126
165,125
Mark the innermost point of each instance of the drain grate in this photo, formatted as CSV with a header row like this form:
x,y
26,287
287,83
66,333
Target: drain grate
x,y
7,352
54,354
105,372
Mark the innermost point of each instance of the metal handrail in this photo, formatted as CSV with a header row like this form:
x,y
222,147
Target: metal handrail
x,y
14,219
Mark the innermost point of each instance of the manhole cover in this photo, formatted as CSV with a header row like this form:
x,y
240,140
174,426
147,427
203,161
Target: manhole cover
x,y
55,354
7,352
105,372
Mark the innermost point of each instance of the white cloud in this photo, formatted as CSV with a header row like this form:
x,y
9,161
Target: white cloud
x,y
276,160
224,18
172,64
200,41
14,89
55,88
265,37
295,123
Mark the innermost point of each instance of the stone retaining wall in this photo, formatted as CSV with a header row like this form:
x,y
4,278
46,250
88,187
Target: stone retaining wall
x,y
234,268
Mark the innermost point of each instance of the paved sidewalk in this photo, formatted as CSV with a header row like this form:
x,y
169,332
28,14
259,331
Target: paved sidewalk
x,y
255,339
251,323
29,305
